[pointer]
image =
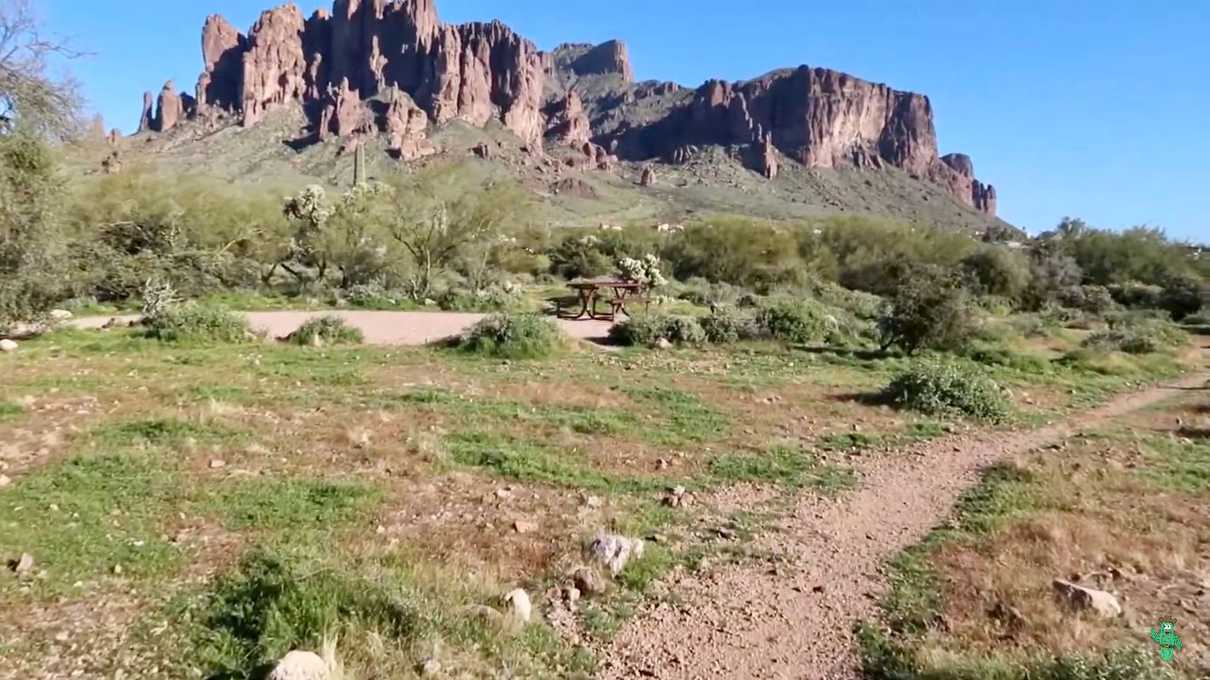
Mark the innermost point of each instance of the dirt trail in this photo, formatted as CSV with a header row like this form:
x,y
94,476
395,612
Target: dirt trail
x,y
746,622
380,328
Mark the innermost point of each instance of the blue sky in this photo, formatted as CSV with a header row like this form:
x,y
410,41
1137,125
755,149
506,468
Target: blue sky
x,y
1091,109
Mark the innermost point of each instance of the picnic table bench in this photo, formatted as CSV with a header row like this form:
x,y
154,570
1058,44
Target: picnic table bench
x,y
616,293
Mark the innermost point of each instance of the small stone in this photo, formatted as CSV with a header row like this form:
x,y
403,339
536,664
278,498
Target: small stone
x,y
663,343
299,665
594,501
217,464
5,481
588,581
23,564
615,551
60,314
726,533
503,494
7,345
431,668
117,570
522,608
524,527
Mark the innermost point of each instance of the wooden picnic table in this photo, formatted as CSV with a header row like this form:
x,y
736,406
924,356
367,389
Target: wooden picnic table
x,y
589,292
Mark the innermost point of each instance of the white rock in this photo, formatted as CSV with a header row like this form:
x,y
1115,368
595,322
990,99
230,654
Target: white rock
x,y
217,463
522,607
431,668
587,581
7,345
300,665
5,481
615,551
663,343
23,564
60,314
1081,598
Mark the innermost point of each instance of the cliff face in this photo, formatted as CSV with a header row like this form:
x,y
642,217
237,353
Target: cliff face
x,y
421,71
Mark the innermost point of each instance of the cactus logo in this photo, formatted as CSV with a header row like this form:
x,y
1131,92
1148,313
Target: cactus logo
x,y
1167,639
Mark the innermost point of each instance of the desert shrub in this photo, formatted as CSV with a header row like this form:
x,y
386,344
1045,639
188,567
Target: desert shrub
x,y
797,321
595,254
1091,298
1051,271
861,304
372,295
1182,295
998,271
726,325
995,354
936,387
513,336
1135,295
743,252
649,329
326,330
1136,334
192,322
493,298
31,279
871,255
930,309
704,293
1201,318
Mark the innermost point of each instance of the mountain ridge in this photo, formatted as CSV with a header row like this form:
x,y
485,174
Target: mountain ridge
x,y
391,69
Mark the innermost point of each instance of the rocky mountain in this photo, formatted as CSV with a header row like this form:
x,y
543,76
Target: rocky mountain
x,y
391,70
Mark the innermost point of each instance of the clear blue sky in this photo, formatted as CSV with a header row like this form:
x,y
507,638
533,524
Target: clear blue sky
x,y
1097,109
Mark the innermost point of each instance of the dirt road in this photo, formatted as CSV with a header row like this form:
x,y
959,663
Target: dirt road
x,y
382,328
746,622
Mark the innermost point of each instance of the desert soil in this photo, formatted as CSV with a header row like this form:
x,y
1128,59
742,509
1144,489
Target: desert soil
x,y
796,619
381,328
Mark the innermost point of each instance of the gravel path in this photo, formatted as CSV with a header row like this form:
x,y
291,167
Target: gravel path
x,y
381,328
748,621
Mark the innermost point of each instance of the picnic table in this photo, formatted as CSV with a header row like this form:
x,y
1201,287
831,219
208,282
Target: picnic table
x,y
589,292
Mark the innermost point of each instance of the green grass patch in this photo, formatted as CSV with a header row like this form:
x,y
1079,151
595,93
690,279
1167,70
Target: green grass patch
x,y
687,418
289,504
269,606
82,517
529,461
1174,463
11,409
780,465
162,432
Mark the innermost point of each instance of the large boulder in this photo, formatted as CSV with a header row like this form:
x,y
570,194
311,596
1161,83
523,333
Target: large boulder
x,y
1081,598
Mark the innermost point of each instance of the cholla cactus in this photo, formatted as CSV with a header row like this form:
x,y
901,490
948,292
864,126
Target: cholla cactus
x,y
645,271
158,298
309,206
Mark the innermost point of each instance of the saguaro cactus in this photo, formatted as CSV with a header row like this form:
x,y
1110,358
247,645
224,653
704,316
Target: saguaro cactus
x,y
359,164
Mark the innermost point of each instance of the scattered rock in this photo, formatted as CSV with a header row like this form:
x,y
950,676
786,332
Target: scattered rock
x,y
22,565
60,315
615,551
676,497
522,608
117,570
298,665
524,527
726,533
5,481
431,668
1082,599
217,464
648,177
662,343
594,501
7,345
588,582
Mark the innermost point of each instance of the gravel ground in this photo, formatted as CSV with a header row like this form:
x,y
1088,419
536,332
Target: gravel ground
x,y
797,620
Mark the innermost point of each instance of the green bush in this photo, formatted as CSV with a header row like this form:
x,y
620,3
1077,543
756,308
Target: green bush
x,y
799,322
1093,299
192,322
755,254
998,271
703,293
936,387
645,330
513,336
726,325
1137,334
1135,295
1182,296
931,310
326,330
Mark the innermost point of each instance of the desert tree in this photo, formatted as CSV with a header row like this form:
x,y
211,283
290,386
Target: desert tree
x,y
441,224
30,97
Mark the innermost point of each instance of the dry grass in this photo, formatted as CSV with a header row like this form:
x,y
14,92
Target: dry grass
x,y
1110,511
